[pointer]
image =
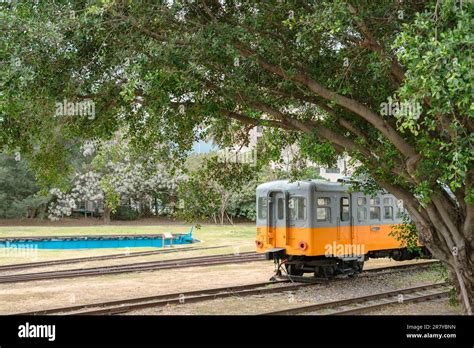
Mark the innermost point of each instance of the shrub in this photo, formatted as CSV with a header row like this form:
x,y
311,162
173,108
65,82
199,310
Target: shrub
x,y
125,212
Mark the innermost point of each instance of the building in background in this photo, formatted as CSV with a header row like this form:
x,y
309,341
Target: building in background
x,y
340,170
241,153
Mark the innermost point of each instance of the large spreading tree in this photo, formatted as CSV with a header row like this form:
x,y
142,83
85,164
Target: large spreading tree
x,y
387,82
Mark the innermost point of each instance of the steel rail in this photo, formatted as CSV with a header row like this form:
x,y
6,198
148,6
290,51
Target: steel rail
x,y
126,305
417,298
363,299
13,267
134,267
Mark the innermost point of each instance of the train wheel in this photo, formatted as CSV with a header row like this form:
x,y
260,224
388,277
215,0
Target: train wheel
x,y
293,270
324,272
357,267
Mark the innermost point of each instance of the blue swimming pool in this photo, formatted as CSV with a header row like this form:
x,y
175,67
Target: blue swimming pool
x,y
98,242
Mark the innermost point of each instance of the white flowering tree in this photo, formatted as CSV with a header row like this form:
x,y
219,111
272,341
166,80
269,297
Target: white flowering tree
x,y
114,178
86,186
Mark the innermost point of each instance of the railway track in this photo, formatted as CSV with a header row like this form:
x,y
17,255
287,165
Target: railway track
x,y
127,305
374,301
426,263
167,264
365,272
100,257
135,267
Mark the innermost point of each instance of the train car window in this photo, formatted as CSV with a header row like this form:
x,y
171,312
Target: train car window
x,y
280,208
323,210
388,213
345,215
262,207
322,201
400,209
375,201
374,213
297,208
362,213
362,209
387,208
323,214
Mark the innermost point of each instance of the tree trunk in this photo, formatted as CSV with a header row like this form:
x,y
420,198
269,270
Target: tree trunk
x,y
445,227
230,219
107,212
464,284
222,211
221,218
457,258
461,274
173,202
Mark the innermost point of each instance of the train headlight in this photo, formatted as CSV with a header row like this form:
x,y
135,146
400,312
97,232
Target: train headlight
x,y
303,245
259,244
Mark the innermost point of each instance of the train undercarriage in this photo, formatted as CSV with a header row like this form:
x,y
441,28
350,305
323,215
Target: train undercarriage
x,y
329,267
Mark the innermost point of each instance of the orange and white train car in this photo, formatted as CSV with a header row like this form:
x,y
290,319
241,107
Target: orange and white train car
x,y
326,228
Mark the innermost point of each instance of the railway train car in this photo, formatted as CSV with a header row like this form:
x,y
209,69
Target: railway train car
x,y
325,228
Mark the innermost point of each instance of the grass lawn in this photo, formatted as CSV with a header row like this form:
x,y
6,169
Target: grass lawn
x,y
240,237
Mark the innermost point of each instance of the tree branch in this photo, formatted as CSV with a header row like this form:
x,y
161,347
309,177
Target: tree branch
x,y
160,37
253,121
350,104
372,44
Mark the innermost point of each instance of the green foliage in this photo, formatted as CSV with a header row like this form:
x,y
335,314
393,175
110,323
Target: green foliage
x,y
137,82
299,173
224,191
111,196
19,191
318,152
243,206
407,235
436,49
217,190
125,212
363,182
443,275
169,74
198,201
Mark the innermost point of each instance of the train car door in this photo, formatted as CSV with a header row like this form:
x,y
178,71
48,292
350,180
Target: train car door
x,y
344,223
277,221
360,216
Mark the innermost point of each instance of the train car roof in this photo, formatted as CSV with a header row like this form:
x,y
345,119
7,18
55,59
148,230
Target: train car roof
x,y
318,185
